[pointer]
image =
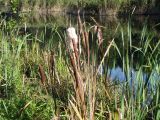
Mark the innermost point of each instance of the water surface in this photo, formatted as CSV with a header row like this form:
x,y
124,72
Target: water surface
x,y
46,26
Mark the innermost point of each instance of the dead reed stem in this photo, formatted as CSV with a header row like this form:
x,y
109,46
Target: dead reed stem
x,y
87,46
76,54
92,92
54,78
78,87
85,37
81,30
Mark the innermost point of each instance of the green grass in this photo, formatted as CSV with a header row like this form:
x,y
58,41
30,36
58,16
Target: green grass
x,y
27,94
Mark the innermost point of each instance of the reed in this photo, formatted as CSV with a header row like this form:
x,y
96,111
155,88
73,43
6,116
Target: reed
x,y
73,90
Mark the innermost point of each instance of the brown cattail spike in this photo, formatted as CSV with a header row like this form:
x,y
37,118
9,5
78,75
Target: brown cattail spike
x,y
42,74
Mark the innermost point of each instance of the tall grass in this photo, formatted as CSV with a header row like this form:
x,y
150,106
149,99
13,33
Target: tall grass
x,y
119,5
47,83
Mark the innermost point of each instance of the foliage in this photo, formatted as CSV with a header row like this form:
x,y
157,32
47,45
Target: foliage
x,y
15,5
38,79
120,5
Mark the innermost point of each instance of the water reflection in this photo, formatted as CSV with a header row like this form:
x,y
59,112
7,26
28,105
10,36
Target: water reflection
x,y
42,25
117,74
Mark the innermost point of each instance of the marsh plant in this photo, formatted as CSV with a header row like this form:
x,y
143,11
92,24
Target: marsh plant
x,y
52,82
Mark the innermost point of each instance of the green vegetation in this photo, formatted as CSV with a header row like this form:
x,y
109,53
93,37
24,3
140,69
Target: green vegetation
x,y
118,6
39,78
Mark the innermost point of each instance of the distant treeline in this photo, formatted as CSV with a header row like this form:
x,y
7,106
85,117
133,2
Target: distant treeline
x,y
142,6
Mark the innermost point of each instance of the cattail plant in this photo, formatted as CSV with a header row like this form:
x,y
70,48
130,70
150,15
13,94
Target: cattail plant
x,y
72,38
84,84
72,43
42,74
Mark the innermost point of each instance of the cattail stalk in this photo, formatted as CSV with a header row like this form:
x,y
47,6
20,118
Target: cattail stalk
x,y
42,75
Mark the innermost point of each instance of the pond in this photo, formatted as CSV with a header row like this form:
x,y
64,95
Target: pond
x,y
47,27
116,74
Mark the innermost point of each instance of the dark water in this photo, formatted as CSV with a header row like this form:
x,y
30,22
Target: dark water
x,y
45,27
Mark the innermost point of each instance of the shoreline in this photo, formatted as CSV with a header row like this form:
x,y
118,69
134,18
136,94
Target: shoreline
x,y
91,10
100,12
